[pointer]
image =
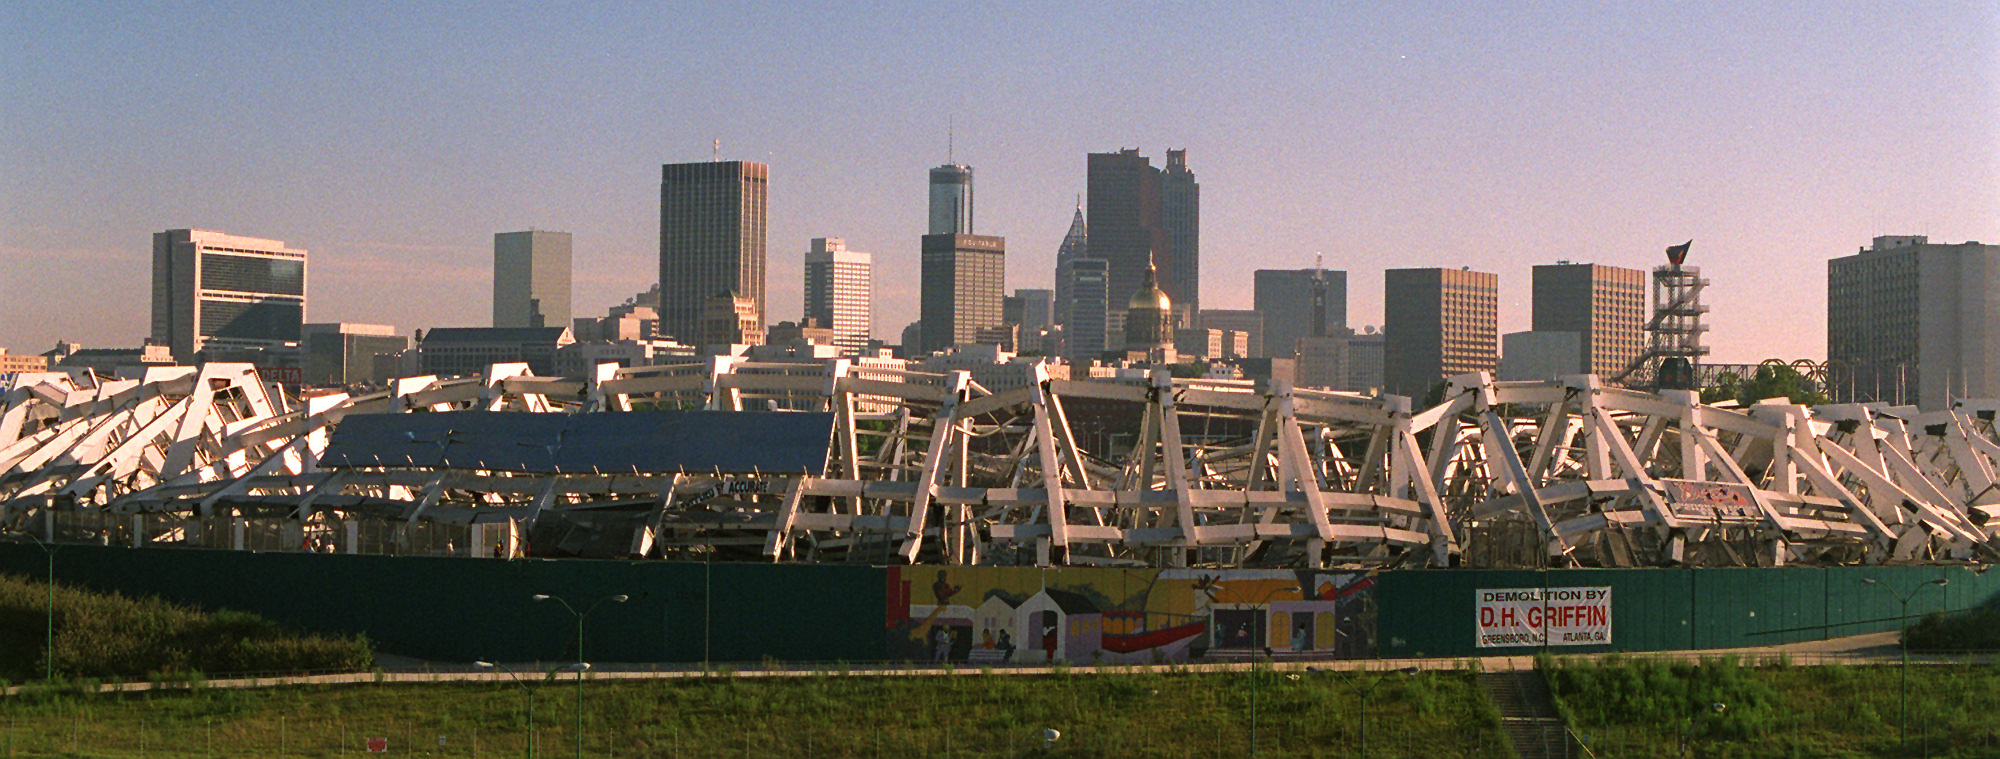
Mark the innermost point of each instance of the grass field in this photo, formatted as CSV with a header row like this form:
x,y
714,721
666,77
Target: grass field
x,y
1647,708
970,715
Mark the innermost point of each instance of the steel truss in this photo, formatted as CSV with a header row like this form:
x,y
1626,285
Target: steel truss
x,y
934,468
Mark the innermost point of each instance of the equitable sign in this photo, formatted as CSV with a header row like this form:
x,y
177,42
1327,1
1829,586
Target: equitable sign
x,y
1544,617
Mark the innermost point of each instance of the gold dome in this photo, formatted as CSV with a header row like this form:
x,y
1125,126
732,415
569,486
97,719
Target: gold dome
x,y
1150,297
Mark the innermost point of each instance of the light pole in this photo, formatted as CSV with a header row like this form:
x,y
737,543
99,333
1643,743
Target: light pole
x,y
524,688
580,667
1262,607
1687,736
49,642
1903,642
1365,693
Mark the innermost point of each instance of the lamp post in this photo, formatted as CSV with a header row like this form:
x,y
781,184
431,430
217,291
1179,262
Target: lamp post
x,y
1687,736
1365,693
580,667
1902,642
524,688
48,642
1262,607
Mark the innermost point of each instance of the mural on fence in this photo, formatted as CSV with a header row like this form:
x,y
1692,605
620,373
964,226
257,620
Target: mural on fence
x,y
998,615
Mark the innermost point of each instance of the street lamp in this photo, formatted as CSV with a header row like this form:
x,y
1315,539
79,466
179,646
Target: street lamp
x,y
1365,693
1903,642
49,642
525,688
1262,606
580,667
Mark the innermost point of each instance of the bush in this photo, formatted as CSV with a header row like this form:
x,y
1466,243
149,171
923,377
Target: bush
x,y
1975,630
111,636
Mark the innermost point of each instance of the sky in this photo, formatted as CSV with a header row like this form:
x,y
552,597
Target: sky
x,y
392,140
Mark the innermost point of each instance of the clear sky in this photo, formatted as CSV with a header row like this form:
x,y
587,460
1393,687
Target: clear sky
x,y
393,139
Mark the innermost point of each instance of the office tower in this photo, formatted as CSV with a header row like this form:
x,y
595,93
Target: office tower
x,y
1249,323
531,279
951,200
1034,310
215,293
1074,246
1087,334
1604,305
1364,360
964,279
1438,323
344,354
1299,303
1180,215
1128,227
839,292
712,230
1909,321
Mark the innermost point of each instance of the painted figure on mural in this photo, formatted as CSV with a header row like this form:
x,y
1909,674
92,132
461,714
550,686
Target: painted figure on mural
x,y
1299,634
1006,646
943,638
1049,635
943,590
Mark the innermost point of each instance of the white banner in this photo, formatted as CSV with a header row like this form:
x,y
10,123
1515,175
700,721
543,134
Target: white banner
x,y
1544,617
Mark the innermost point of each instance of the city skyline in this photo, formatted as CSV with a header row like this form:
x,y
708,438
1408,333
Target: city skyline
x,y
1776,137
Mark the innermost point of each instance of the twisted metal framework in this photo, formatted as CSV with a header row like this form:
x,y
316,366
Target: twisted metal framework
x,y
935,468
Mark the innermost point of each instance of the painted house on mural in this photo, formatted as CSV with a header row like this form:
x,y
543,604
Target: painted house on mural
x,y
999,636
1060,626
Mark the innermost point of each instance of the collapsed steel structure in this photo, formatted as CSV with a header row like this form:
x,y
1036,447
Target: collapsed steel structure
x,y
917,467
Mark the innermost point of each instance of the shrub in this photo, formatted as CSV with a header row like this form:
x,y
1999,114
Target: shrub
x,y
110,636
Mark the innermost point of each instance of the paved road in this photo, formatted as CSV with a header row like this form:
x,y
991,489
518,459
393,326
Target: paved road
x,y
1874,648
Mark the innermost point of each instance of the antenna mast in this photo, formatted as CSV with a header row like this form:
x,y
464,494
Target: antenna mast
x,y
716,157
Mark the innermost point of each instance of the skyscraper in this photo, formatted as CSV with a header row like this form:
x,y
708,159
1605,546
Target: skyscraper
x,y
951,200
219,292
531,273
1909,321
964,281
1128,228
1074,246
1438,323
839,292
712,240
1180,215
1604,305
1087,334
1299,303
1034,310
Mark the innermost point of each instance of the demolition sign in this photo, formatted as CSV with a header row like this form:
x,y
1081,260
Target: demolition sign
x,y
1544,617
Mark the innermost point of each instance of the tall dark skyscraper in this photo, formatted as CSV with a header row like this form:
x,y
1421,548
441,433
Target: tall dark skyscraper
x,y
1129,228
1180,214
712,240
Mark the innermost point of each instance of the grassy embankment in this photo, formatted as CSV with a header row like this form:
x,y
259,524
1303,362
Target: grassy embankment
x,y
831,715
1647,708
110,637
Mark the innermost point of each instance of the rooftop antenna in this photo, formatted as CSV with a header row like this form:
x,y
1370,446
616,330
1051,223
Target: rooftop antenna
x,y
716,157
951,139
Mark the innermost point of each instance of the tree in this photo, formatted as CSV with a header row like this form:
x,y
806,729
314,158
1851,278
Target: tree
x,y
1725,388
1779,381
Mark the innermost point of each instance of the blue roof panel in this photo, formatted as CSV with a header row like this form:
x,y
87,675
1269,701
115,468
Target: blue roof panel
x,y
653,442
